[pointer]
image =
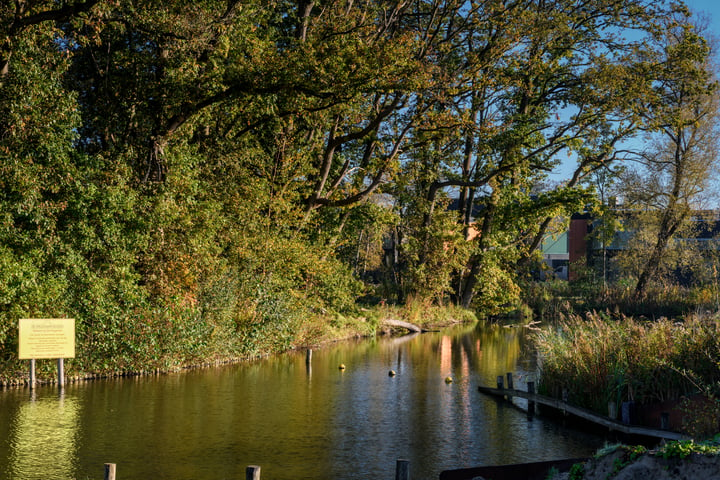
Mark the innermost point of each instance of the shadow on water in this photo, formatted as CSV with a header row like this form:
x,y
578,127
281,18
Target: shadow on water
x,y
297,422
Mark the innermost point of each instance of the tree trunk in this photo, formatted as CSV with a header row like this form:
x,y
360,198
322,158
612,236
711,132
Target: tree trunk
x,y
467,291
466,285
651,267
668,227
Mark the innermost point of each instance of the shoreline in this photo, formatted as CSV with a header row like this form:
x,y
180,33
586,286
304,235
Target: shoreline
x,y
324,340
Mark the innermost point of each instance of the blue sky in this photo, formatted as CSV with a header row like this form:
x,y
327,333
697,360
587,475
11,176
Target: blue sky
x,y
710,7
705,8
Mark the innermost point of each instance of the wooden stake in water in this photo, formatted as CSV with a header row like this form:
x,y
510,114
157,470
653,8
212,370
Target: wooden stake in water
x,y
531,405
402,470
612,410
252,472
109,471
510,386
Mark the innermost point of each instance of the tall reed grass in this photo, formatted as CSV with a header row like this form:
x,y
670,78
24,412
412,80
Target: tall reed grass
x,y
602,357
548,299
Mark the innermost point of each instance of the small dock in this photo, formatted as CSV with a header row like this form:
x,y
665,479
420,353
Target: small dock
x,y
534,398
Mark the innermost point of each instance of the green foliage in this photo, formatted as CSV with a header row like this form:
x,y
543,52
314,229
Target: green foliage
x,y
683,448
431,255
552,473
210,179
577,472
499,292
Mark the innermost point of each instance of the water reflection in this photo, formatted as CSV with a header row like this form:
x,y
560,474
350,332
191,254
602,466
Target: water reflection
x,y
296,421
42,438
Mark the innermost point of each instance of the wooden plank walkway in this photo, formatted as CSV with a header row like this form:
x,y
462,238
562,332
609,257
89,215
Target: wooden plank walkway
x,y
525,471
584,413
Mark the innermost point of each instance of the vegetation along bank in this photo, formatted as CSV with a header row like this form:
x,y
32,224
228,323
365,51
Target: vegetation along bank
x,y
202,181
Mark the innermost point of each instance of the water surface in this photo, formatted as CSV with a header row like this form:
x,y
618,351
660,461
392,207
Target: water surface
x,y
296,422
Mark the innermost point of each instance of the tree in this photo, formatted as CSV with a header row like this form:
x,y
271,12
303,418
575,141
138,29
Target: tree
x,y
192,171
532,64
605,211
677,168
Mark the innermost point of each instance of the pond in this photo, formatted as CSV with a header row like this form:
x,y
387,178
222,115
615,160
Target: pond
x,y
295,421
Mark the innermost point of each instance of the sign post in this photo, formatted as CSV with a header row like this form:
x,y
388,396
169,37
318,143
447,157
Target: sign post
x,y
32,373
42,338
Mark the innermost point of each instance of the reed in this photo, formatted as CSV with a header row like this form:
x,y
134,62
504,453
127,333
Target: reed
x,y
550,298
602,357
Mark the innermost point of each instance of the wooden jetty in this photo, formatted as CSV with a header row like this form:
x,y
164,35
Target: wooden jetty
x,y
586,414
517,471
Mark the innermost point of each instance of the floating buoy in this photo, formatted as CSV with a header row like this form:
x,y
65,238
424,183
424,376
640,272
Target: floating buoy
x,y
448,380
391,373
341,366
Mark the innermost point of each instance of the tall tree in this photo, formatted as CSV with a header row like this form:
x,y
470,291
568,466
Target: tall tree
x,y
682,159
547,78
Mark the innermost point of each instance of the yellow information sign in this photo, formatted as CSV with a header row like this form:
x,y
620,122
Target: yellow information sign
x,y
46,338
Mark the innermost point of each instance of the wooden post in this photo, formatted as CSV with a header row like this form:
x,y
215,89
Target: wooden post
x,y
61,372
402,470
612,410
509,377
308,356
531,405
252,472
564,399
32,373
109,471
500,382
665,421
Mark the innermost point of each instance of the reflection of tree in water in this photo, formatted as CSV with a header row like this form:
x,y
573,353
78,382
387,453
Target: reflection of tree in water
x,y
499,349
488,349
42,439
454,423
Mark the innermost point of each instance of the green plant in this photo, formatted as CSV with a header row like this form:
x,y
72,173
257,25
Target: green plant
x,y
618,464
683,448
552,473
628,454
577,472
607,450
